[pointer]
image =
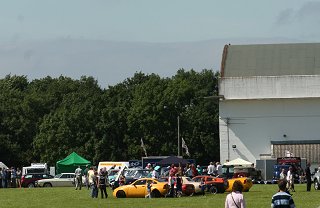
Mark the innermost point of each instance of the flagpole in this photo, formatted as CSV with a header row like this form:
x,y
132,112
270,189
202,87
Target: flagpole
x,y
179,144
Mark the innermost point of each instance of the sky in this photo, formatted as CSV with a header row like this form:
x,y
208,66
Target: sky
x,y
112,39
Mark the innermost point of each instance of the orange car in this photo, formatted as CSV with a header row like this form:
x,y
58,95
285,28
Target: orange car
x,y
246,182
139,188
214,184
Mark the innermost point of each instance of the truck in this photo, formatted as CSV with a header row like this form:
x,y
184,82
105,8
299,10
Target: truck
x,y
35,168
297,164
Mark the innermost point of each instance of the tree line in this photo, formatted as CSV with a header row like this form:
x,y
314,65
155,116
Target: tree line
x,y
46,119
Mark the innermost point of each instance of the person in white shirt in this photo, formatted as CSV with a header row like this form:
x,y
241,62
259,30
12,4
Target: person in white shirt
x,y
235,199
290,180
211,169
154,173
78,178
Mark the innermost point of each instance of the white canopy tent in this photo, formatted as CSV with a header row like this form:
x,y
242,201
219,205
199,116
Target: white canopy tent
x,y
2,165
238,162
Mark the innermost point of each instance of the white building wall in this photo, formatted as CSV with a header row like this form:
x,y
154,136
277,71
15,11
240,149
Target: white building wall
x,y
264,87
253,124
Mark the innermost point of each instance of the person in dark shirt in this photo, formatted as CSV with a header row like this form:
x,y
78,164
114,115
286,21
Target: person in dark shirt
x,y
308,177
179,186
103,182
282,199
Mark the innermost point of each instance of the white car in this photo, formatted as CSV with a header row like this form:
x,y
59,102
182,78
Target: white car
x,y
188,180
62,179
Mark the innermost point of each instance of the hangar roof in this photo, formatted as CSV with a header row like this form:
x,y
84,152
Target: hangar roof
x,y
271,60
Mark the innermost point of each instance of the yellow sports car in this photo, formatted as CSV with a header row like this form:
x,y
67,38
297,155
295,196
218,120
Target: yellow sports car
x,y
246,182
139,188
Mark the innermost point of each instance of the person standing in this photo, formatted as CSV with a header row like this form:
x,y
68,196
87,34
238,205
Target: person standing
x,y
8,177
282,198
93,180
85,173
308,176
235,199
149,185
19,174
282,174
4,178
78,178
290,180
103,182
219,169
178,185
154,173
203,186
199,169
13,178
211,169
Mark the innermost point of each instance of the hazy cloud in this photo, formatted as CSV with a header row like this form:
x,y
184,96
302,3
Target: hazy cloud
x,y
285,17
309,12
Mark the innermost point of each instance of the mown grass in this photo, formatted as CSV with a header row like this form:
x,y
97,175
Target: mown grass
x,y
259,196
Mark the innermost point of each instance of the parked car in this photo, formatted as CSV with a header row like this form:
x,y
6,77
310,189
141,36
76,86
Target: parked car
x,y
138,188
188,189
316,180
29,180
213,184
62,179
188,180
246,182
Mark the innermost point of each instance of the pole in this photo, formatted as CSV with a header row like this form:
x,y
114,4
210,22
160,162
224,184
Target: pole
x,y
179,145
228,139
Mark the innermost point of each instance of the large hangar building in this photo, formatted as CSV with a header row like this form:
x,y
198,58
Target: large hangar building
x,y
270,101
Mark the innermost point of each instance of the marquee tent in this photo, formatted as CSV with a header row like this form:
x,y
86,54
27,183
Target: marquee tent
x,y
173,160
238,162
70,163
2,165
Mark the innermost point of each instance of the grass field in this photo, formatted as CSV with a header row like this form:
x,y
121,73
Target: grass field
x,y
259,196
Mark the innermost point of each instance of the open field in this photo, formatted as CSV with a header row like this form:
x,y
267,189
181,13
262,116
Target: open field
x,y
259,196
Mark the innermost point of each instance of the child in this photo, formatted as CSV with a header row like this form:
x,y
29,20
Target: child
x,y
149,185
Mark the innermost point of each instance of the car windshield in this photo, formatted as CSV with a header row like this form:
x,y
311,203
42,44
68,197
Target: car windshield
x,y
189,179
197,179
57,176
136,173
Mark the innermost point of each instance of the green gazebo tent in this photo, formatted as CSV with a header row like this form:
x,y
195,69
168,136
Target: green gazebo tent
x,y
70,163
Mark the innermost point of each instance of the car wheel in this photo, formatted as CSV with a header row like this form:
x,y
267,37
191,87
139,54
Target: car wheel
x,y
31,185
213,190
316,184
155,194
121,194
47,185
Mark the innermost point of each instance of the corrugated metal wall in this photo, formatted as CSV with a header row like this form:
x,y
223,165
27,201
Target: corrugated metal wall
x,y
309,151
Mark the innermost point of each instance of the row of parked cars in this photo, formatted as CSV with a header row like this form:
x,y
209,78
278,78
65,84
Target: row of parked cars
x,y
136,180
160,187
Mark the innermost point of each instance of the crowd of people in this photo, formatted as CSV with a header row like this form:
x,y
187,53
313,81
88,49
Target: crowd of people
x,y
94,180
10,177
